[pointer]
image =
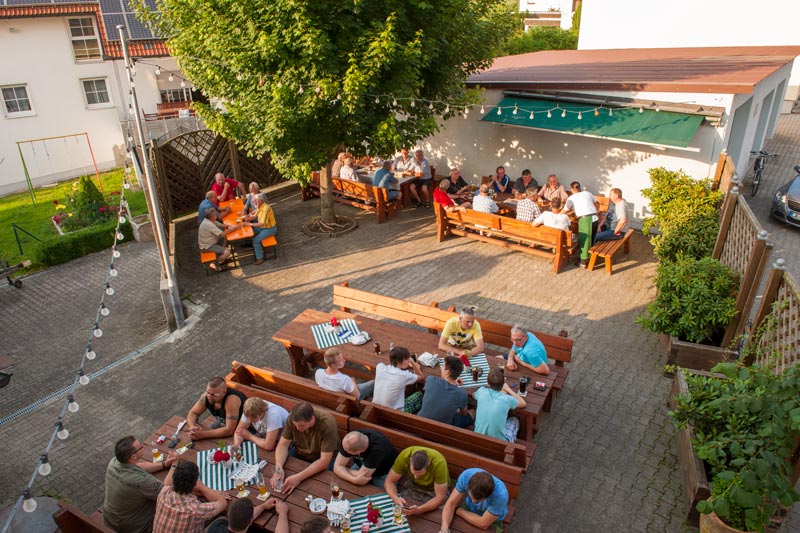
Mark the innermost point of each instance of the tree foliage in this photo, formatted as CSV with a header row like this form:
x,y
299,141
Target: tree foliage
x,y
541,38
301,78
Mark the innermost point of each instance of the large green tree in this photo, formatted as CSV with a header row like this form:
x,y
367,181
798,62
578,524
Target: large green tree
x,y
301,79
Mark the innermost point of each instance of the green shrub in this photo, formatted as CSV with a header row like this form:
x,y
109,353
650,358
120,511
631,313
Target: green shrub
x,y
85,207
693,236
541,38
73,245
696,299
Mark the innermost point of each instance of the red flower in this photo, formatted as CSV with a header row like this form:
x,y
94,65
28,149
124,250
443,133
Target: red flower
x,y
55,202
372,514
103,209
220,456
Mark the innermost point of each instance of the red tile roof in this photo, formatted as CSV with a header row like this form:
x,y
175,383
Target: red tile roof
x,y
700,70
111,49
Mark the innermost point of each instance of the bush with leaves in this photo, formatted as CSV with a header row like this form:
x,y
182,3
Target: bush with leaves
x,y
541,38
745,424
85,207
696,299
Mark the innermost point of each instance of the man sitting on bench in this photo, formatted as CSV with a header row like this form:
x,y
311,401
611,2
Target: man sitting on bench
x,y
391,381
371,454
494,403
616,222
332,379
463,333
211,237
528,351
424,477
444,400
225,406
487,500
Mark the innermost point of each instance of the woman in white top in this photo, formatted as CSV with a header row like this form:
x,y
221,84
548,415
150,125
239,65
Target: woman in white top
x,y
348,171
261,423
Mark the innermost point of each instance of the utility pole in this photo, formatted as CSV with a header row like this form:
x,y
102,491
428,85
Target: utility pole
x,y
170,295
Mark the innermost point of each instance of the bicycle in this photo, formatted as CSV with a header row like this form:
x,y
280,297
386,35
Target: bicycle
x,y
758,168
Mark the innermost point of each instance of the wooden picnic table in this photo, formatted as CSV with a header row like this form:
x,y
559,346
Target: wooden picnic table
x,y
404,181
233,218
297,338
317,486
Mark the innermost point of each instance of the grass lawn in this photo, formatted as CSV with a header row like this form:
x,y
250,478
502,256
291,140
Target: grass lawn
x,y
18,209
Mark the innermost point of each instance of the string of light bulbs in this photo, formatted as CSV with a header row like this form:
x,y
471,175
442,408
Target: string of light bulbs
x,y
60,432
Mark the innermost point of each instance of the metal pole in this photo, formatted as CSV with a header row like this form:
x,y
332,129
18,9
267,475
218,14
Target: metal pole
x,y
27,175
155,211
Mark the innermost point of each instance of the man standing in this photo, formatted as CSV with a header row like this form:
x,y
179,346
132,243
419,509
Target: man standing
x,y
331,378
616,223
483,202
527,208
370,452
494,403
211,201
424,476
131,489
178,509
211,237
444,400
316,440
226,187
391,381
384,178
225,407
584,206
524,182
487,500
263,227
241,514
462,332
422,169
527,351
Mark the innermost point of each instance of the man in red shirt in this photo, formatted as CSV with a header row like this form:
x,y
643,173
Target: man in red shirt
x,y
441,197
225,187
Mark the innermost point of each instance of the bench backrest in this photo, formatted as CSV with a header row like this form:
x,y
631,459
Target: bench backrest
x,y
458,460
434,431
353,188
294,386
509,226
70,519
287,402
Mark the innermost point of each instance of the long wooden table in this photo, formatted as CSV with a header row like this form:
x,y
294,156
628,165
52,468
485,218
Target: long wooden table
x,y
297,338
317,486
233,218
404,181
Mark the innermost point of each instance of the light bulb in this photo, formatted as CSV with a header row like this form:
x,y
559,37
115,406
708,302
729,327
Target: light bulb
x,y
45,468
104,310
130,109
610,112
564,113
158,71
466,111
73,406
482,110
98,332
377,100
531,115
499,110
171,77
83,379
516,110
113,272
301,90
122,219
90,355
317,89
120,236
596,112
109,289
238,77
63,433
117,253
580,115
430,106
29,504
641,109
133,84
447,109
394,101
549,114
413,104
127,171
183,83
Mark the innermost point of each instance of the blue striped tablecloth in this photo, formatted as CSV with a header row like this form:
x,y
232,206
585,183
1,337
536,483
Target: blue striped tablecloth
x,y
214,475
326,340
358,508
466,376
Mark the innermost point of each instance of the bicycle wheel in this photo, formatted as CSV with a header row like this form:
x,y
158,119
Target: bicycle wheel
x,y
756,181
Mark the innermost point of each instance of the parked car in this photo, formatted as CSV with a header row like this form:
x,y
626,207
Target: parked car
x,y
786,201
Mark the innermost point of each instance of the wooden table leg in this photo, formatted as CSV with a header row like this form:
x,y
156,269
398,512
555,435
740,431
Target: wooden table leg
x,y
298,359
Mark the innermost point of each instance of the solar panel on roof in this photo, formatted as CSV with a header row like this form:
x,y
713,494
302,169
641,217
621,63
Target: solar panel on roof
x,y
120,12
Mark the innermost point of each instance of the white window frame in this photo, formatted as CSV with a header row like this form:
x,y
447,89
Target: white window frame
x,y
17,114
99,105
73,39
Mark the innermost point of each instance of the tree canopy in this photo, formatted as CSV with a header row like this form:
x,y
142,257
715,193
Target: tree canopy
x,y
301,78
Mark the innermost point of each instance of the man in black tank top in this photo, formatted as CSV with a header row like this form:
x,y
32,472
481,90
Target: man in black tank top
x,y
225,407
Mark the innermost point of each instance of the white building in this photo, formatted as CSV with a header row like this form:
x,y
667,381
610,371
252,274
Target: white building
x,y
548,13
61,74
614,114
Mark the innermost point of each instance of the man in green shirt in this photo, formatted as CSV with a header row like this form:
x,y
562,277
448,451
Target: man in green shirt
x,y
131,489
426,470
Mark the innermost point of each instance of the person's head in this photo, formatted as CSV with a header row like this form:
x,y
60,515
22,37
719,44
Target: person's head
x,y
210,213
355,443
254,188
555,204
316,524
257,200
552,180
615,194
466,318
532,192
495,379
185,476
575,186
341,156
219,177
211,196
484,189
526,175
216,389
303,416
348,161
404,152
254,408
453,367
240,514
418,463
501,171
399,356
444,185
480,486
454,174
419,155
128,449
519,336
387,164
334,358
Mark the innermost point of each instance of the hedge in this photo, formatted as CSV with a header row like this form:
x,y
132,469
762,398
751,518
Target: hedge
x,y
73,245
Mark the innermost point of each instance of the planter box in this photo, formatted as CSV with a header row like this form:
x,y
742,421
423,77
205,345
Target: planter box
x,y
694,356
694,483
142,229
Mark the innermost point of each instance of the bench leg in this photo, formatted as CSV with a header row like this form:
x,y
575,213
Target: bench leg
x,y
608,265
592,261
627,246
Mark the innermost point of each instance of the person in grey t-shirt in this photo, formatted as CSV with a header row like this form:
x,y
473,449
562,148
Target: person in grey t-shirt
x,y
616,223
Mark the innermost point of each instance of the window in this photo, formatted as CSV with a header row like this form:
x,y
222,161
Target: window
x,y
85,45
96,91
176,95
16,100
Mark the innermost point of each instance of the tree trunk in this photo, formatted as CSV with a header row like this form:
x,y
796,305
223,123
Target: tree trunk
x,y
327,211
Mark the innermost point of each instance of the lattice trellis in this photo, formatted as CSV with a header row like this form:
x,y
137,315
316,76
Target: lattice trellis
x,y
725,174
779,342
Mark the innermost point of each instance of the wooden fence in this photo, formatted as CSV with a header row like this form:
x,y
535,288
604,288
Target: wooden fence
x,y
725,174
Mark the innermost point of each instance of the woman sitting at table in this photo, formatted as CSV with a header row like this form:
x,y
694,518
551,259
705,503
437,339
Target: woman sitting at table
x,y
255,190
441,197
261,423
348,171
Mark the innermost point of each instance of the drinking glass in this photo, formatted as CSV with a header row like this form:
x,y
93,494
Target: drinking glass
x,y
157,456
336,492
263,492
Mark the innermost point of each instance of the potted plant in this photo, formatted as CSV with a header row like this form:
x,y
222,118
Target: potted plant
x,y
696,300
745,424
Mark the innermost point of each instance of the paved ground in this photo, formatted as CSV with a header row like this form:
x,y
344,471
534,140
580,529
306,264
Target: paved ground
x,y
605,458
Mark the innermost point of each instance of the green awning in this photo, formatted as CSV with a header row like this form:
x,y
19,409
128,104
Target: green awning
x,y
662,128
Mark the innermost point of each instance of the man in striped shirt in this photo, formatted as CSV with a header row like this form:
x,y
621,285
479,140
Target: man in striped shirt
x,y
178,510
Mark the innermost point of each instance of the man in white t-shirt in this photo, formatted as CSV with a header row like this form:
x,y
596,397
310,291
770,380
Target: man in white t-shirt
x,y
261,423
331,379
584,206
553,218
391,380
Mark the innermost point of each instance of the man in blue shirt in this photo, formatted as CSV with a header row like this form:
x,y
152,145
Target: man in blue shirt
x,y
211,201
528,351
494,403
487,500
386,180
444,400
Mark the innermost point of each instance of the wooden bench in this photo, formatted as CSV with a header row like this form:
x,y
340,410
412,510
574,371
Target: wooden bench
x,y
518,453
356,194
70,519
554,244
271,242
294,386
607,249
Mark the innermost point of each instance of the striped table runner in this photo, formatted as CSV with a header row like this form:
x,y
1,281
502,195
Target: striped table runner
x,y
326,340
466,376
214,475
358,508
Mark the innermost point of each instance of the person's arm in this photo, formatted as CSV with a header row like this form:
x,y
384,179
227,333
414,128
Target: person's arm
x,y
266,506
226,188
440,495
449,509
153,468
268,442
241,433
391,489
417,370
621,222
241,189
520,400
541,369
444,345
482,521
479,347
168,479
320,465
232,405
493,207
195,412
213,496
282,508
281,454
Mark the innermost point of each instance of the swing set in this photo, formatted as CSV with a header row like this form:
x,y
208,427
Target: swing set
x,y
42,143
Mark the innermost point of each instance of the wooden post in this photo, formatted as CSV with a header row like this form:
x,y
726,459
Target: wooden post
x,y
233,152
770,292
728,208
721,162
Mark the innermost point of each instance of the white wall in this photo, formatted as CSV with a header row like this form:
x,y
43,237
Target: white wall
x,y
564,6
690,23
